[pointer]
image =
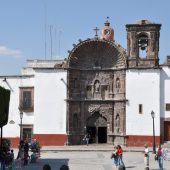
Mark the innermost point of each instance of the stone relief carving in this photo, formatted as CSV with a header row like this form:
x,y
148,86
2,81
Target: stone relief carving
x,y
100,108
94,108
101,121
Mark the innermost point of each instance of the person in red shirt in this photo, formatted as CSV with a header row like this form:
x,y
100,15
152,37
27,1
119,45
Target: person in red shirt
x,y
120,153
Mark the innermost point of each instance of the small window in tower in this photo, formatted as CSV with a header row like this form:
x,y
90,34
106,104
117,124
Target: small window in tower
x,y
140,108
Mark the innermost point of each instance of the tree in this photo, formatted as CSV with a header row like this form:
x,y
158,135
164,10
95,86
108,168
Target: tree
x,y
4,106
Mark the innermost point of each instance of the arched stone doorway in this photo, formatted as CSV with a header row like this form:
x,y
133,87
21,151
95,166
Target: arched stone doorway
x,y
97,128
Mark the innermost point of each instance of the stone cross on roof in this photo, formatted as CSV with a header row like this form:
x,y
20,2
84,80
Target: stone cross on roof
x,y
96,30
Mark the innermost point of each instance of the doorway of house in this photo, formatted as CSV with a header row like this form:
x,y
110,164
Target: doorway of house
x,y
97,128
97,134
166,131
102,134
27,133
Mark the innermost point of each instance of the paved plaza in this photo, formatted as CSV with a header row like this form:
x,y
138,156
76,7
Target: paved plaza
x,y
92,160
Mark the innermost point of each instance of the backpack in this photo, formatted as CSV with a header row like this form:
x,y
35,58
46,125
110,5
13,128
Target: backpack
x,y
159,153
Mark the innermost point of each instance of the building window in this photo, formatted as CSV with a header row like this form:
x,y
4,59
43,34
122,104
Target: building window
x,y
26,99
167,106
27,131
140,108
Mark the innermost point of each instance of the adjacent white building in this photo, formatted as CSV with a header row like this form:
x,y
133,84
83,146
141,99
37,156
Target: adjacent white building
x,y
44,90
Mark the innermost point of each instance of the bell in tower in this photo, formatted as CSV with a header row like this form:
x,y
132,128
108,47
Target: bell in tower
x,y
143,44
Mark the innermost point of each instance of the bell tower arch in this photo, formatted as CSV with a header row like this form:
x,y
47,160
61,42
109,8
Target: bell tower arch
x,y
143,44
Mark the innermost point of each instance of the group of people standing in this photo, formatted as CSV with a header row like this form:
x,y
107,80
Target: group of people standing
x,y
160,156
117,157
23,149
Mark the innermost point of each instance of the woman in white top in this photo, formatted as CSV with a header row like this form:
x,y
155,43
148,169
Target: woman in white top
x,y
146,156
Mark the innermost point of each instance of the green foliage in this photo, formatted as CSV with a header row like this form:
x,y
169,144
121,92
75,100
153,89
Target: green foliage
x,y
6,143
35,147
4,106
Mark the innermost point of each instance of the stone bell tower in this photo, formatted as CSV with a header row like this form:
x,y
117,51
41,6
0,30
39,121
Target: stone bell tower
x,y
143,44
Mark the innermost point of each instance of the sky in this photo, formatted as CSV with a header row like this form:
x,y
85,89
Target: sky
x,y
47,29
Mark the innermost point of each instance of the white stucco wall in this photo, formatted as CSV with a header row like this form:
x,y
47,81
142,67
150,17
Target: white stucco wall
x,y
165,91
49,116
142,87
49,102
13,83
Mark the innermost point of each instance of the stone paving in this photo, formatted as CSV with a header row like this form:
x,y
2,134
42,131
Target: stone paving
x,y
92,158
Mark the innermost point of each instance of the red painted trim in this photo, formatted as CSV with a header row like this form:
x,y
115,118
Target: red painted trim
x,y
51,139
134,140
14,141
44,139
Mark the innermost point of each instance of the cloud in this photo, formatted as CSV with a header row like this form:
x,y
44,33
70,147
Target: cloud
x,y
5,51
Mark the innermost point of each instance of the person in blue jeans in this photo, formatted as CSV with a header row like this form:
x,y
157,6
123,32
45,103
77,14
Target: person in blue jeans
x,y
160,154
114,157
120,156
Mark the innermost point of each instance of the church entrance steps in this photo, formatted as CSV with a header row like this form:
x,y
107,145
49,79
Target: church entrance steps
x,y
90,147
167,144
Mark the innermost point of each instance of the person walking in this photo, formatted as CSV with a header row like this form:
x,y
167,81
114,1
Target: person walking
x,y
146,157
26,155
159,153
86,139
120,157
114,157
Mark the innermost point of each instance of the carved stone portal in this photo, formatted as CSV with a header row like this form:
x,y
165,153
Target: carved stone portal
x,y
96,92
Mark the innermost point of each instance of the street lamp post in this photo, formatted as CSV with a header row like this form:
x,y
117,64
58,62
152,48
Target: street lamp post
x,y
153,116
21,116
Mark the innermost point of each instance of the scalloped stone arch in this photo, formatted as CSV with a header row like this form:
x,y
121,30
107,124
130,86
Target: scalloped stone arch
x,y
92,53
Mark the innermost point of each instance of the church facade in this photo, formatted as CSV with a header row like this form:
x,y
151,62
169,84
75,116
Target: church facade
x,y
101,89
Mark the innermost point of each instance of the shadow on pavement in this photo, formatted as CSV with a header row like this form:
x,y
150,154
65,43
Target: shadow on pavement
x,y
54,163
129,167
